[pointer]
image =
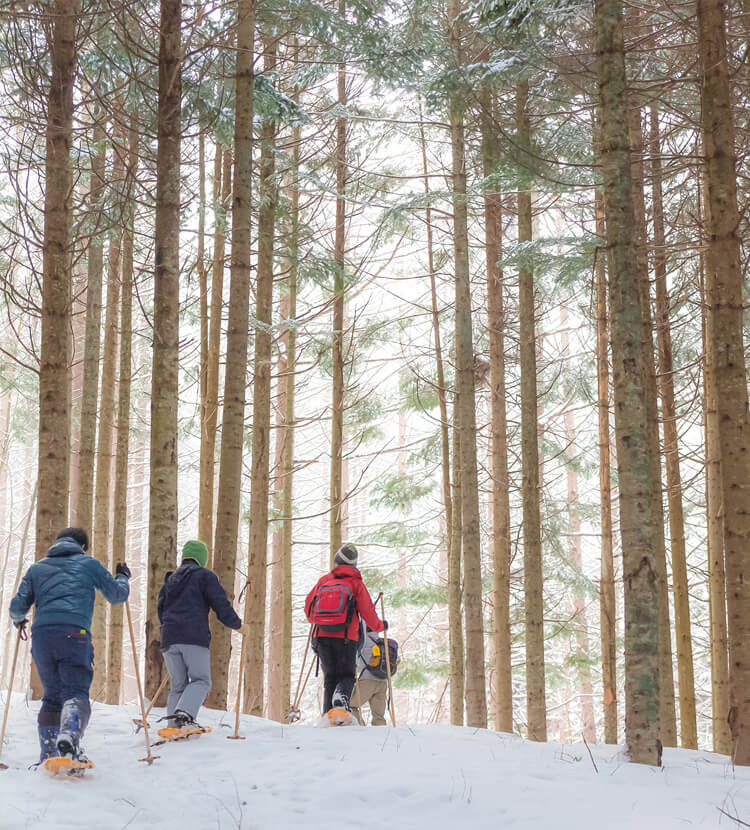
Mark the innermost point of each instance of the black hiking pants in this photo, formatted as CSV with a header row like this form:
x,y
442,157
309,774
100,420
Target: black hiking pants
x,y
338,658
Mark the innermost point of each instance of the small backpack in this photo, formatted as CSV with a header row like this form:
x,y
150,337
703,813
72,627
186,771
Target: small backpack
x,y
332,608
377,665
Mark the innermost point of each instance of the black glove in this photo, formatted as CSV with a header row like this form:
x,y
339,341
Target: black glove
x,y
385,625
123,569
21,626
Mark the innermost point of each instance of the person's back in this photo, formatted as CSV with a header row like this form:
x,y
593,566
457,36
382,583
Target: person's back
x,y
185,599
337,649
62,588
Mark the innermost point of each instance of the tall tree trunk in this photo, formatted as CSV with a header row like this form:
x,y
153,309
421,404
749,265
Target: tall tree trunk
x,y
205,464
84,508
640,572
278,703
725,286
337,403
259,478
122,460
717,605
501,548
476,695
688,727
233,413
445,468
102,499
162,524
280,641
607,605
532,531
667,717
54,365
457,675
222,193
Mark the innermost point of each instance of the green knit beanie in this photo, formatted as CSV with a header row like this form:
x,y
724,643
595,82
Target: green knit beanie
x,y
195,549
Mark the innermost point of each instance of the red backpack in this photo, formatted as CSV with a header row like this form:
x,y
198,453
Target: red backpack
x,y
332,608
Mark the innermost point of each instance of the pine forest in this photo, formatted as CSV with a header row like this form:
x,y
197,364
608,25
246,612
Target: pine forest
x,y
458,282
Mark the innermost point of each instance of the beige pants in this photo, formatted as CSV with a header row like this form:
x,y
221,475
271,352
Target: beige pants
x,y
375,693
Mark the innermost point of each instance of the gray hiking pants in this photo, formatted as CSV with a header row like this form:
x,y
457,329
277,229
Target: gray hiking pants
x,y
189,670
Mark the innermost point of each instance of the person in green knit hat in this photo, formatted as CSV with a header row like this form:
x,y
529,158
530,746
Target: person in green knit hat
x,y
187,596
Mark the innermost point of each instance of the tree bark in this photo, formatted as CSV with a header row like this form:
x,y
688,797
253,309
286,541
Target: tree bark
x,y
686,680
475,692
642,667
233,413
445,468
667,717
500,499
84,509
337,403
259,475
607,604
725,288
717,596
122,460
532,531
280,642
457,674
102,499
162,525
222,193
54,364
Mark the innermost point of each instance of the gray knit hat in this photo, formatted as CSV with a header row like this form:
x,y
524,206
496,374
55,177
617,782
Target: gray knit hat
x,y
346,555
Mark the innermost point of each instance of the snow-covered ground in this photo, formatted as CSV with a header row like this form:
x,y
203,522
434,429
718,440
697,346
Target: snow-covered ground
x,y
411,777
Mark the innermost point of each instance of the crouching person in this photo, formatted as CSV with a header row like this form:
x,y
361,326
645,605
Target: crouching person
x,y
187,596
61,587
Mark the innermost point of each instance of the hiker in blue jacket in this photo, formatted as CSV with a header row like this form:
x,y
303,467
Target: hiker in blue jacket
x,y
61,586
187,596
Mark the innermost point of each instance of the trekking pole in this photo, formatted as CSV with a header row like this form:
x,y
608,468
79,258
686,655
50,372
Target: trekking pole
x,y
21,636
387,663
237,736
149,759
294,714
139,723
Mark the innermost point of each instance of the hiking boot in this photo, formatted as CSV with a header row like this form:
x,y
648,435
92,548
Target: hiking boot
x,y
67,746
180,719
340,701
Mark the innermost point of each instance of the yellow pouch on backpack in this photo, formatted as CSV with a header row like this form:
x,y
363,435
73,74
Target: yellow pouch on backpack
x,y
375,659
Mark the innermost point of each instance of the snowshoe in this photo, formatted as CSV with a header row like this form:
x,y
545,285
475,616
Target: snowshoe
x,y
175,733
338,716
67,765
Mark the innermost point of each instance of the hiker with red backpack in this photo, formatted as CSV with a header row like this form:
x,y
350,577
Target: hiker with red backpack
x,y
334,608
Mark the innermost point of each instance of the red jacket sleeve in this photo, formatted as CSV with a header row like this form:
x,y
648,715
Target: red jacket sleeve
x,y
366,609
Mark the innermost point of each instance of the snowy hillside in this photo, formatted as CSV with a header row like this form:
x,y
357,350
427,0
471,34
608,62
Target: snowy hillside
x,y
411,777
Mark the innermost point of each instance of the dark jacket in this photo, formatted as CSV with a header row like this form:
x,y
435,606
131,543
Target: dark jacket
x,y
185,599
62,587
363,602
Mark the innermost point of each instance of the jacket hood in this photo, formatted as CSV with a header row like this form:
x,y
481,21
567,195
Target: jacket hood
x,y
67,546
346,572
176,582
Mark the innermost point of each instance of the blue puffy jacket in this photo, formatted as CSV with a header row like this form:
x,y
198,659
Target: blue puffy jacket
x,y
185,599
62,587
